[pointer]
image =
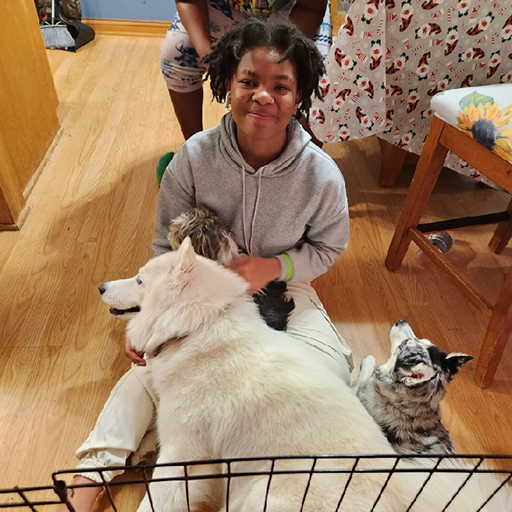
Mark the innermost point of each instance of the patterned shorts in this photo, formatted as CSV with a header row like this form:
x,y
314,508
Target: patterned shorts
x,y
180,62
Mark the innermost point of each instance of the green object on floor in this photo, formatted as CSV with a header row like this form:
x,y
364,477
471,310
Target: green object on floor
x,y
162,165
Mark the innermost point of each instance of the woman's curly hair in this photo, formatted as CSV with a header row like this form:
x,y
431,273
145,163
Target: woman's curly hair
x,y
278,32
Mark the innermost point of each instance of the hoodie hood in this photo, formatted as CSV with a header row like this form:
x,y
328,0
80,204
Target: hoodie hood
x,y
297,141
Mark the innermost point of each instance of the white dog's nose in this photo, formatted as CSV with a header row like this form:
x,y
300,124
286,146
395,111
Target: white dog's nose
x,y
102,289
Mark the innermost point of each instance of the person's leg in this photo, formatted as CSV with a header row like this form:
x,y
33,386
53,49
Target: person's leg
x,y
83,498
183,75
188,107
181,68
310,324
120,427
323,42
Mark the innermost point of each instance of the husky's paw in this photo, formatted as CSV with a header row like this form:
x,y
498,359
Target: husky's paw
x,y
367,367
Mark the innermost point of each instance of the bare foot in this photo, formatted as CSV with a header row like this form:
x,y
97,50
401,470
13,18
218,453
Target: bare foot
x,y
83,498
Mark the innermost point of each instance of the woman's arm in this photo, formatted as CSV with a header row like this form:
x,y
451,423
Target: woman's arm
x,y
308,15
324,242
194,16
327,230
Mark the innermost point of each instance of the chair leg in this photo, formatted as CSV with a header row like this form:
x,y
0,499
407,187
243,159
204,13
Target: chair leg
x,y
427,171
496,337
502,234
393,159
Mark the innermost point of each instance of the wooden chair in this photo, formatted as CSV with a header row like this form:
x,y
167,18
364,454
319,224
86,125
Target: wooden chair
x,y
444,137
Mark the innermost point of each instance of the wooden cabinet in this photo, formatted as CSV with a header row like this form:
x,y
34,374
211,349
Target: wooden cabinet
x,y
28,103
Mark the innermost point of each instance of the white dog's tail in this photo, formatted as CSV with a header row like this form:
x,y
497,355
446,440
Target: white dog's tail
x,y
414,485
449,485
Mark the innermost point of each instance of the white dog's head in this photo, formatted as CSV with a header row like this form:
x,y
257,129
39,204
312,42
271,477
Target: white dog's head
x,y
173,295
416,361
209,237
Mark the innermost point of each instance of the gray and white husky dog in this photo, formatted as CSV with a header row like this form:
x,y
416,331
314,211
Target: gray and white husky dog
x,y
404,394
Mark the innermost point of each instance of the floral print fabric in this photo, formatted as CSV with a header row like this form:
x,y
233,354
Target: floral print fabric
x,y
482,113
391,57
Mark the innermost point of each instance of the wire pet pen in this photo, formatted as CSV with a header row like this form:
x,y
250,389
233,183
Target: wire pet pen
x,y
388,467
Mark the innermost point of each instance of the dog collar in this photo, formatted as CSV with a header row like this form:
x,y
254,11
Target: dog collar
x,y
160,347
178,339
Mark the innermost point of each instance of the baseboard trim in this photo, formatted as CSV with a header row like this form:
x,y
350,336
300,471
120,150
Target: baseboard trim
x,y
128,27
22,216
19,221
42,164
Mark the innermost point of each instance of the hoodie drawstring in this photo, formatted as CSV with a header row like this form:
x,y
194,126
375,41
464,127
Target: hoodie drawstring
x,y
243,210
248,246
255,210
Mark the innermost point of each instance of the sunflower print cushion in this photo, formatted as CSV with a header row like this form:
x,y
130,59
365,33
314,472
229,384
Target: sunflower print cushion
x,y
482,113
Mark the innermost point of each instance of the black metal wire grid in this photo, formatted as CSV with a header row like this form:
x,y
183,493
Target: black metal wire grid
x,y
41,497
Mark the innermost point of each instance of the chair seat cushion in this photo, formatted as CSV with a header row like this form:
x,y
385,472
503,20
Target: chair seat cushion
x,y
483,113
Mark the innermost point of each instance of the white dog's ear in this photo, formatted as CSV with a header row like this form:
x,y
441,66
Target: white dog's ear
x,y
417,374
187,255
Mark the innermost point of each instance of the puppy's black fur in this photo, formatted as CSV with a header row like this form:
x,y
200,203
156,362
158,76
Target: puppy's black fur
x,y
274,307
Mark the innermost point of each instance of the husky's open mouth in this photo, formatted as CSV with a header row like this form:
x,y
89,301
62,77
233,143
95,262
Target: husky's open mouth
x,y
120,312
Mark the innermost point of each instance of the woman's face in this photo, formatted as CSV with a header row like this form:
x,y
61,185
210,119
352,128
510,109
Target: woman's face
x,y
264,95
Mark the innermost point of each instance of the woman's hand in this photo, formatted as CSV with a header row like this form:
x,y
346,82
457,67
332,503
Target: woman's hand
x,y
257,271
131,354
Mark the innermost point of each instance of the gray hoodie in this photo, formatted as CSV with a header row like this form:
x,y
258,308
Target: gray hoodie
x,y
296,204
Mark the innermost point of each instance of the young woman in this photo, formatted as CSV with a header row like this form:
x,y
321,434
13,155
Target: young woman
x,y
283,198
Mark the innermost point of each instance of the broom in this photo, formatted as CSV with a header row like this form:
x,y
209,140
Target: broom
x,y
55,32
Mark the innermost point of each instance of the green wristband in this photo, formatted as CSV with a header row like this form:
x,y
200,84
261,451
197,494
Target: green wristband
x,y
289,265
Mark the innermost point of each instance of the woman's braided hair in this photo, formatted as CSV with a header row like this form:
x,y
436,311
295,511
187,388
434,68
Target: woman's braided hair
x,y
278,33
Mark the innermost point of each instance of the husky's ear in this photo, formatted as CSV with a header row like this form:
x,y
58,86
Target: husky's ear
x,y
416,374
455,361
187,256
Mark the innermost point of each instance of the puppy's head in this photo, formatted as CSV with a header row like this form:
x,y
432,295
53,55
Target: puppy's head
x,y
209,237
181,292
415,362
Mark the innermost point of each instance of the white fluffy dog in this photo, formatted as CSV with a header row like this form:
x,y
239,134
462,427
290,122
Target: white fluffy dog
x,y
232,387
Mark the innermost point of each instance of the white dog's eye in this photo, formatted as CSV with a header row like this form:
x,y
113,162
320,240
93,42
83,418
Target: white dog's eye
x,y
139,280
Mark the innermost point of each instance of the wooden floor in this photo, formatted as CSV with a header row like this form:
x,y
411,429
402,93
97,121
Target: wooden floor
x,y
91,217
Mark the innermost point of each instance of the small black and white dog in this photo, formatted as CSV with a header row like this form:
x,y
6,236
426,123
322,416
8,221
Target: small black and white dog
x,y
211,239
404,394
